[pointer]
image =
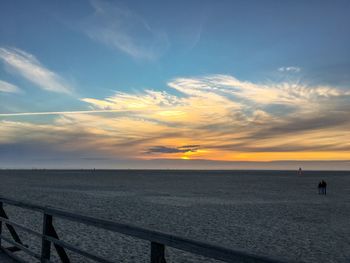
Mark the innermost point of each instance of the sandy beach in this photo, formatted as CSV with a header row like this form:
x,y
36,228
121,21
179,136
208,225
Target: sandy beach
x,y
269,213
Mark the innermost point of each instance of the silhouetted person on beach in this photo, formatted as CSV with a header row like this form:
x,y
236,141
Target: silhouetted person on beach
x,y
322,188
319,188
300,171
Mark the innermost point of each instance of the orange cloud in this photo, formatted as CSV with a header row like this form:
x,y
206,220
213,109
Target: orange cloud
x,y
225,118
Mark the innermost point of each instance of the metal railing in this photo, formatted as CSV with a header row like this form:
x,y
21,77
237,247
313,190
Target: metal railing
x,y
158,241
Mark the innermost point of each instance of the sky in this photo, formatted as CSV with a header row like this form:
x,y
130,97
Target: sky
x,y
175,84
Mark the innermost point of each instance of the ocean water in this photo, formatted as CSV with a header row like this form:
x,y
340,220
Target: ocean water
x,y
277,214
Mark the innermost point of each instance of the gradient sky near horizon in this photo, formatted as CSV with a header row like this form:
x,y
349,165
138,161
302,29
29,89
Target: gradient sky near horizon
x,y
133,84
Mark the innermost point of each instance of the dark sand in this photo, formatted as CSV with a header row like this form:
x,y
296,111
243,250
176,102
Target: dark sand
x,y
270,213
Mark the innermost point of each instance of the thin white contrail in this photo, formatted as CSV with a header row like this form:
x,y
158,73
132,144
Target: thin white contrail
x,y
56,112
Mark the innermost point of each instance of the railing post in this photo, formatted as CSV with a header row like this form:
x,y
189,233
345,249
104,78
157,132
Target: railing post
x,y
157,253
1,208
45,244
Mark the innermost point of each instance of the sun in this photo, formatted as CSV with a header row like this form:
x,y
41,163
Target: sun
x,y
185,157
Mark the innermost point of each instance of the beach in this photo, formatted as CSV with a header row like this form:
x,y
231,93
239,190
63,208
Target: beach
x,y
275,214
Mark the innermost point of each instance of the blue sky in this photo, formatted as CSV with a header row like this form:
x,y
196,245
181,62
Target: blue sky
x,y
73,56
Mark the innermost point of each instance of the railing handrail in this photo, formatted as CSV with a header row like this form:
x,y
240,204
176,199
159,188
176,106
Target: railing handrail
x,y
196,247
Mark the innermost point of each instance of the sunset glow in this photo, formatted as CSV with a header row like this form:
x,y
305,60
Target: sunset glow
x,y
123,94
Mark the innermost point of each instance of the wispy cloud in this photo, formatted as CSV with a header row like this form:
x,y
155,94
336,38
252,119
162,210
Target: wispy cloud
x,y
8,87
230,119
57,113
289,69
29,67
228,88
222,112
124,30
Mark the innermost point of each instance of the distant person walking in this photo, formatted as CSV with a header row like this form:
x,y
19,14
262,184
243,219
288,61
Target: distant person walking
x,y
322,188
300,171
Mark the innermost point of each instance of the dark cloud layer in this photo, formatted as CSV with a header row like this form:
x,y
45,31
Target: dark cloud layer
x,y
181,149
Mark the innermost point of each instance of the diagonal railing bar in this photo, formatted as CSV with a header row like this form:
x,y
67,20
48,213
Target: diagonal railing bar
x,y
158,241
13,249
78,251
21,247
13,256
11,229
59,249
57,241
18,226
